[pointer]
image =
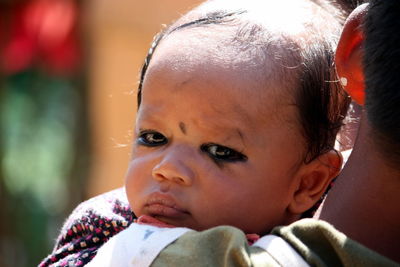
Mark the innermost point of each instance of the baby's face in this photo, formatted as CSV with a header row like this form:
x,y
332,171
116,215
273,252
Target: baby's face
x,y
212,147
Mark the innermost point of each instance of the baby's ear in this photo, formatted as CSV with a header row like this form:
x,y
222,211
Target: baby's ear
x,y
349,55
313,180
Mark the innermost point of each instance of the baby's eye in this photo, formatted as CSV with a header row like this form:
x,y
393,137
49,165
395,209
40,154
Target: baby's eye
x,y
222,153
151,138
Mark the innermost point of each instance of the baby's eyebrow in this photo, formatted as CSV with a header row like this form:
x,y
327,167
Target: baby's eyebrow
x,y
236,135
182,126
148,113
240,135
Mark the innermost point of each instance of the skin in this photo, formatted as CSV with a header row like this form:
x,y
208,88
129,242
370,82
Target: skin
x,y
205,157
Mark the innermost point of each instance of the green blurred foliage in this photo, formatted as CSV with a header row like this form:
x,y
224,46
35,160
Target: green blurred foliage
x,y
44,161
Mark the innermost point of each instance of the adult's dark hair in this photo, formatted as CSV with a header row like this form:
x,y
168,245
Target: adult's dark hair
x,y
382,76
321,102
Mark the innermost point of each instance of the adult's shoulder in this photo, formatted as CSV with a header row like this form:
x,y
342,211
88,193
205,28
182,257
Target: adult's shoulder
x,y
321,244
219,246
316,242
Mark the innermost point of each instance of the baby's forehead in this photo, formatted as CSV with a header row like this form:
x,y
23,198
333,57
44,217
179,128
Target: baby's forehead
x,y
203,58
215,46
210,50
218,47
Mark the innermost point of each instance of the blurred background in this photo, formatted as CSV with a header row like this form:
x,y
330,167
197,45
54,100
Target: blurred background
x,y
68,78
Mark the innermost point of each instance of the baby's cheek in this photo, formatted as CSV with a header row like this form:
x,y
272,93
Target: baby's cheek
x,y
133,186
216,209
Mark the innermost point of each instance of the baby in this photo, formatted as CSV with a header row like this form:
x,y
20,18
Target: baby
x,y
237,118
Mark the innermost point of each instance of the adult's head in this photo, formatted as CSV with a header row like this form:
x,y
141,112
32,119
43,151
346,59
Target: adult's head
x,y
367,61
364,201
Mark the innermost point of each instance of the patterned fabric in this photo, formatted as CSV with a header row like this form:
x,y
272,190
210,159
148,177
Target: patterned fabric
x,y
90,225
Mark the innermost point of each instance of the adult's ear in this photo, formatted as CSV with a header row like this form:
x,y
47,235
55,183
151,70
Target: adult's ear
x,y
313,180
349,55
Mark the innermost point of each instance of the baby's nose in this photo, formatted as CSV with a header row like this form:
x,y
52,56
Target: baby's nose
x,y
174,167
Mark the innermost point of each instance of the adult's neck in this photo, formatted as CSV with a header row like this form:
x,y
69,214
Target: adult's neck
x,y
365,200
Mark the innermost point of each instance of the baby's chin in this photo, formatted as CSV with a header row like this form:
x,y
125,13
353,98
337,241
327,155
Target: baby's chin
x,y
247,230
160,221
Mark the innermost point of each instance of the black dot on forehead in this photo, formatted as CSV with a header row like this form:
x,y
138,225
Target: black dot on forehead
x,y
182,126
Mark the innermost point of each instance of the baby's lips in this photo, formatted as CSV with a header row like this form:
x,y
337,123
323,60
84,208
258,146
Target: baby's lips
x,y
146,219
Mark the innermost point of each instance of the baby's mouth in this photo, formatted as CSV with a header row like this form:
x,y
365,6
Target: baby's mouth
x,y
163,207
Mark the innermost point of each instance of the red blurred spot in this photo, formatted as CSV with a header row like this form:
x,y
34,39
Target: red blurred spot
x,y
18,55
45,32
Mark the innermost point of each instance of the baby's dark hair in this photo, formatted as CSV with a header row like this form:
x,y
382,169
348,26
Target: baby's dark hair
x,y
306,69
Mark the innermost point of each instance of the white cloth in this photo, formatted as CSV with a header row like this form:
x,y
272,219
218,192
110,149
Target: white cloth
x,y
281,251
138,245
